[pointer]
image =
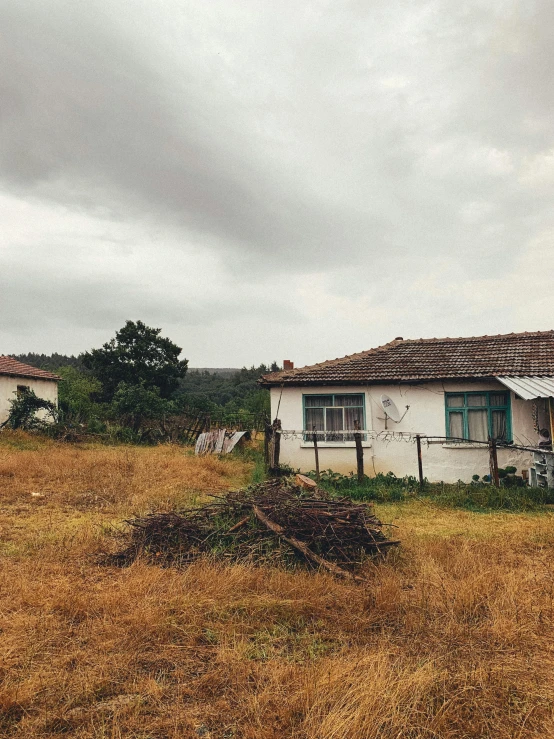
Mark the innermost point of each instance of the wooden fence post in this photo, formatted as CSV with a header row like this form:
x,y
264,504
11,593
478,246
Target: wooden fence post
x,y
419,460
359,452
275,447
268,433
316,450
493,462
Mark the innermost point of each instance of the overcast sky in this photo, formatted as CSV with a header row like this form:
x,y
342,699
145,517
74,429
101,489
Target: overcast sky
x,y
267,180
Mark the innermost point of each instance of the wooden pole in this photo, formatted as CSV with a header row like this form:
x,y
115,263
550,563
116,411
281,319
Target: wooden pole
x,y
359,452
276,446
493,462
316,450
419,460
551,416
268,431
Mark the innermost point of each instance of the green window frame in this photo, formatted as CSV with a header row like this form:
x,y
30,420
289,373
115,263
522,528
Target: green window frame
x,y
331,413
479,415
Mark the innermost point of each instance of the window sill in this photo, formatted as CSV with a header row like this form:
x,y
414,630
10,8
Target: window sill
x,y
334,444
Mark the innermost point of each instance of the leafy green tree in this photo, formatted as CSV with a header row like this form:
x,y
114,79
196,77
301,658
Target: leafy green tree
x,y
75,394
257,402
135,403
235,392
137,356
49,362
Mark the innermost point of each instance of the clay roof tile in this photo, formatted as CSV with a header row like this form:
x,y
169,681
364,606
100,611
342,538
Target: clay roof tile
x,y
527,353
9,366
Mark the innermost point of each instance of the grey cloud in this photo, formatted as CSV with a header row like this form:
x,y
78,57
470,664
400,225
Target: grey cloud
x,y
29,298
366,142
80,107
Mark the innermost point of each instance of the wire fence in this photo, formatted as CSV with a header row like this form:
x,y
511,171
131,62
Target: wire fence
x,y
540,474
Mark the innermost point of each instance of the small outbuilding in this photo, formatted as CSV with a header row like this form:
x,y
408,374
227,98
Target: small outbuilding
x,y
455,394
16,377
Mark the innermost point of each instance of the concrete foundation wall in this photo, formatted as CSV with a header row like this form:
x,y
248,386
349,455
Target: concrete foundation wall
x,y
426,416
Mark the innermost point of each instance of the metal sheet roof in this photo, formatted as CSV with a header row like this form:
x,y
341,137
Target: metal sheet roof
x,y
530,387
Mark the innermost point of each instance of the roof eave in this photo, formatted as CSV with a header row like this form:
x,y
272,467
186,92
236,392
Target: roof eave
x,y
381,381
54,378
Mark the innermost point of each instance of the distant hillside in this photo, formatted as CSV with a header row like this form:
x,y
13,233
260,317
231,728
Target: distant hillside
x,y
236,389
225,371
203,387
51,362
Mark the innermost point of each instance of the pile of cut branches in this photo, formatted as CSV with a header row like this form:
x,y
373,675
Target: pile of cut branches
x,y
273,521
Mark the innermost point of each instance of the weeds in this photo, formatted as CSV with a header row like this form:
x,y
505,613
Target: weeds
x,y
476,496
452,637
252,453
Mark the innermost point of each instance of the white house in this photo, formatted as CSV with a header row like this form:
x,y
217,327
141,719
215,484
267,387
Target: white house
x,y
450,389
15,377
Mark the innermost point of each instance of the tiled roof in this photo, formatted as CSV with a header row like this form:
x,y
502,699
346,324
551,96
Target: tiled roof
x,y
9,366
431,359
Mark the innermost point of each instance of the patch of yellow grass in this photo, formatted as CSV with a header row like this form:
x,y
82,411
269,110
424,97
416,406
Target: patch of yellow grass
x,y
451,637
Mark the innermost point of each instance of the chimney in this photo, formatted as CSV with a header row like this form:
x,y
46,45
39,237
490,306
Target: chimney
x,y
287,364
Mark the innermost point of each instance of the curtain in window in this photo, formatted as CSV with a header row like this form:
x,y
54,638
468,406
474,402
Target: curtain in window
x,y
317,401
456,425
478,425
499,426
334,423
476,400
454,401
314,417
331,414
476,416
351,415
348,401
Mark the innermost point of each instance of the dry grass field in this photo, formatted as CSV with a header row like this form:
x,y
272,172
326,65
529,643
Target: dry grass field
x,y
451,637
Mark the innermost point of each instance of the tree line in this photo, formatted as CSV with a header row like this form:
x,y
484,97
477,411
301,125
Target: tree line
x,y
137,377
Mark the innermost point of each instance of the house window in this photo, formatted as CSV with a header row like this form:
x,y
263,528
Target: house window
x,y
478,416
331,414
21,390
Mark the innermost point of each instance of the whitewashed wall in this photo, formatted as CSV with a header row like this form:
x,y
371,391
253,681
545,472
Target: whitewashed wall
x,y
47,389
426,416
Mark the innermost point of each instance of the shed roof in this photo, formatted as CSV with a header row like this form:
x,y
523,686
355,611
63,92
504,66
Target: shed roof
x,y
419,360
530,388
9,366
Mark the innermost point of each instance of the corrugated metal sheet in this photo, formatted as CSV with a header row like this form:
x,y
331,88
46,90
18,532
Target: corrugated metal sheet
x,y
530,387
232,440
210,442
218,441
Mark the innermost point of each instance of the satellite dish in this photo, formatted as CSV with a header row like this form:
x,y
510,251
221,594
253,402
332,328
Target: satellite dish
x,y
389,406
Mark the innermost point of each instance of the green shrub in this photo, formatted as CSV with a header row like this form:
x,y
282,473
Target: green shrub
x,y
382,488
24,410
513,494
